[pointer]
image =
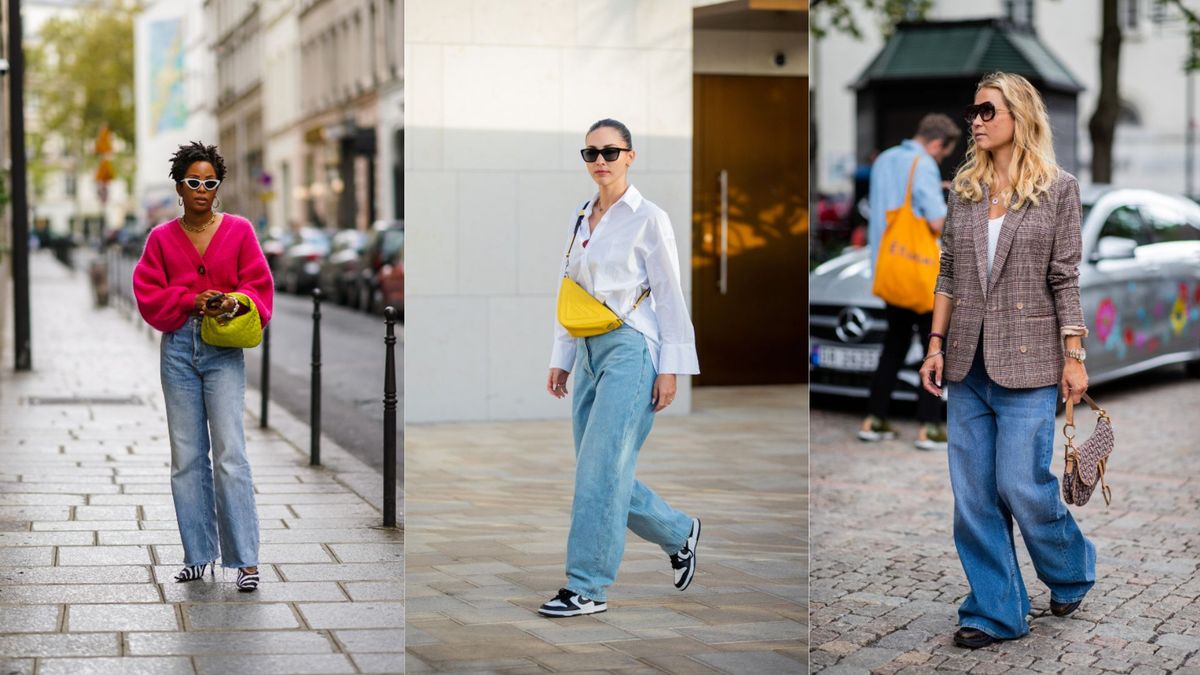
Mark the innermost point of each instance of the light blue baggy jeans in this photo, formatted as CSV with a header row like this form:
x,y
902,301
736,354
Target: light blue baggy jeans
x,y
204,388
1001,443
612,415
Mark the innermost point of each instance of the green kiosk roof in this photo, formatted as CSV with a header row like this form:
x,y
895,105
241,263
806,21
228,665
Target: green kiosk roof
x,y
965,49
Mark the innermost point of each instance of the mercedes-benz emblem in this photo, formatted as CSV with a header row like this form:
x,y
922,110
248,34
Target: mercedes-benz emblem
x,y
851,325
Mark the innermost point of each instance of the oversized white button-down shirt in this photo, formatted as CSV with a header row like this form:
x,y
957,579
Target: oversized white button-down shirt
x,y
632,248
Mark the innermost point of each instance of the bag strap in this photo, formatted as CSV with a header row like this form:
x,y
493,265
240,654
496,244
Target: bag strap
x,y
908,190
1090,402
575,232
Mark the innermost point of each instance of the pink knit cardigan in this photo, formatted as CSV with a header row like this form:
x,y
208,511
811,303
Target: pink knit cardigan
x,y
171,272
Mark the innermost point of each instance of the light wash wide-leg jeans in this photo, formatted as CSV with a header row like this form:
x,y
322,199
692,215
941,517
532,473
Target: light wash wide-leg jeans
x,y
204,388
614,380
1000,448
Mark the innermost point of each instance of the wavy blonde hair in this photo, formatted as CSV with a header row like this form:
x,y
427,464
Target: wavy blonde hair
x,y
1033,167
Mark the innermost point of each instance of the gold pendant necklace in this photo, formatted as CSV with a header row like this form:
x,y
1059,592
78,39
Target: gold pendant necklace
x,y
192,228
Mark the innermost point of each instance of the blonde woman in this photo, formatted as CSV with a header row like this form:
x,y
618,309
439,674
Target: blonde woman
x,y
1008,331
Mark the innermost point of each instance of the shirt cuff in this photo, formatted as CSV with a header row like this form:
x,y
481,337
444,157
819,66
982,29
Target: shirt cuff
x,y
678,360
945,293
563,355
187,303
1081,331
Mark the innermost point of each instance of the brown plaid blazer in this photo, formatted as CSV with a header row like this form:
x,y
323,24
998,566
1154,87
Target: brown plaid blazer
x,y
1032,292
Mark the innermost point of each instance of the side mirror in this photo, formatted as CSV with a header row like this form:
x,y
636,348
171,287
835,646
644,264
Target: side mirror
x,y
1114,248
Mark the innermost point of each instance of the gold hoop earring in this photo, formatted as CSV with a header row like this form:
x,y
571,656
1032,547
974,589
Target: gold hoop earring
x,y
217,203
181,201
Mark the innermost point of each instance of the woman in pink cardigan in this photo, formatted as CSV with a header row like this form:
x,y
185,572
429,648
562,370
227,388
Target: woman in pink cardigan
x,y
187,261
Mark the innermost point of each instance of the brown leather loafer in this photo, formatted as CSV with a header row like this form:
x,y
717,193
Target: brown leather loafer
x,y
1063,608
973,638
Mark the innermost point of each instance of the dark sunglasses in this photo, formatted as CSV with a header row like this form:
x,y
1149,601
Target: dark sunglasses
x,y
610,154
985,111
195,183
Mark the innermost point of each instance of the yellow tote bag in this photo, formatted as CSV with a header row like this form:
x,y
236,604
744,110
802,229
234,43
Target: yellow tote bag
x,y
909,256
579,311
244,331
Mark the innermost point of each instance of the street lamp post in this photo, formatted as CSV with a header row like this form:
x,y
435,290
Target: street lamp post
x,y
20,207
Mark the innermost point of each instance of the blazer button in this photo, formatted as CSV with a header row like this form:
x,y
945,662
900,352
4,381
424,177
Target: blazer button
x,y
957,303
1023,350
956,343
991,308
1020,305
201,270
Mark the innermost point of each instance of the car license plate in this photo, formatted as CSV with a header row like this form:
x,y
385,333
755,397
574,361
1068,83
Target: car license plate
x,y
844,358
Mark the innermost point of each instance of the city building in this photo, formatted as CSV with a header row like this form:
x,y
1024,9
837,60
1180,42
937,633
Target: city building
x,y
1150,148
235,27
498,98
175,89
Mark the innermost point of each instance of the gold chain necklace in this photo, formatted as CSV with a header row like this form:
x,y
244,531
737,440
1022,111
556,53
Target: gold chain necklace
x,y
192,228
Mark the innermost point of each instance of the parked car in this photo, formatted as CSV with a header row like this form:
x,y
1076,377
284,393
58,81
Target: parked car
x,y
301,265
1139,285
274,245
390,287
385,240
340,269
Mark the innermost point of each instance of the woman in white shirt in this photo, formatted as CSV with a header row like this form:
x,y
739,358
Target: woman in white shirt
x,y
622,246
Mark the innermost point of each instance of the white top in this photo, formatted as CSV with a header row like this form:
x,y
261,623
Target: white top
x,y
633,247
993,238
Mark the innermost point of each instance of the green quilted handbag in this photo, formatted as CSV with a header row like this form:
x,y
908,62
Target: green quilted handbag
x,y
243,331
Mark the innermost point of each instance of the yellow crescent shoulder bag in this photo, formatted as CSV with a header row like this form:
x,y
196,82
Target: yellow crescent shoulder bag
x,y
579,311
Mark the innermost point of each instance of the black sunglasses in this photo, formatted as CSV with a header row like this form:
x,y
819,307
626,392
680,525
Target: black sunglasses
x,y
610,154
985,111
195,183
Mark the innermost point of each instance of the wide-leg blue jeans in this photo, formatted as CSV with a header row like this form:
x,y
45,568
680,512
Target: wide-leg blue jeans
x,y
612,415
204,389
1000,448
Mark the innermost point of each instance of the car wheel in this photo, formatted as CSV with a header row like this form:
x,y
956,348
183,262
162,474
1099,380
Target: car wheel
x,y
1192,368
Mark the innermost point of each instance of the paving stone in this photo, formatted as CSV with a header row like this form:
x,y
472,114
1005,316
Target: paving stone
x,y
380,663
139,665
360,641
103,555
766,663
84,525
267,553
1187,643
58,644
283,642
26,556
241,616
353,615
57,594
770,630
362,553
197,591
16,666
31,619
362,591
100,618
575,632
274,664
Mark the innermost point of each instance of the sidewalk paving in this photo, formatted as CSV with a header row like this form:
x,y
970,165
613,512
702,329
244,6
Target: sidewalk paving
x,y
88,540
886,581
488,512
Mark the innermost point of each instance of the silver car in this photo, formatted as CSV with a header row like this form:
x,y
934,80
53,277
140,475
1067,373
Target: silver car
x,y
1139,284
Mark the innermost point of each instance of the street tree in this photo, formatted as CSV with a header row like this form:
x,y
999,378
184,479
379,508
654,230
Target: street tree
x,y
81,79
1103,124
841,14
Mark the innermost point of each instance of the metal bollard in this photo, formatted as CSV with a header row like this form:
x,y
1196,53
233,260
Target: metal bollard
x,y
265,380
315,405
389,420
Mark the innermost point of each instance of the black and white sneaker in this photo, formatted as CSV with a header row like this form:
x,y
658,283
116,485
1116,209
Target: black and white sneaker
x,y
684,561
191,573
569,603
247,582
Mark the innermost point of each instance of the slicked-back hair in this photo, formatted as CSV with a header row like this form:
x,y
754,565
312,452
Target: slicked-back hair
x,y
193,152
613,124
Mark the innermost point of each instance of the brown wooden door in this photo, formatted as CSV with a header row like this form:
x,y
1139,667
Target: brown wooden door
x,y
749,268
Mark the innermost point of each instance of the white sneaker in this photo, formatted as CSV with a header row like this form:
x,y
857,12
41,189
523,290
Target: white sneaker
x,y
684,561
569,603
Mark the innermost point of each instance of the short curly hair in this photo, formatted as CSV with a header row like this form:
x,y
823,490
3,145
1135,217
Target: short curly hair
x,y
193,152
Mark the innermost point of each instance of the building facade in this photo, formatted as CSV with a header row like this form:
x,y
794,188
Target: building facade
x,y
499,97
236,30
1150,149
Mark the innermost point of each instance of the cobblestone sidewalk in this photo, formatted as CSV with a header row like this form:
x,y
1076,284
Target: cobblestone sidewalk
x,y
488,512
88,539
886,581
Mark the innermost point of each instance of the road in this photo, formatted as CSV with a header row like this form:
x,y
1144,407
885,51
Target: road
x,y
886,581
352,357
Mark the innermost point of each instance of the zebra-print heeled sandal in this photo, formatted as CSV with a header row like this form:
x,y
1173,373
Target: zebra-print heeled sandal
x,y
247,582
191,573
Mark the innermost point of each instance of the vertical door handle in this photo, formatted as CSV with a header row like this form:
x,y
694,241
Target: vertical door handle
x,y
723,279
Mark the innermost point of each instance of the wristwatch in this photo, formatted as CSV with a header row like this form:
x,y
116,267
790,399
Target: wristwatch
x,y
1077,354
